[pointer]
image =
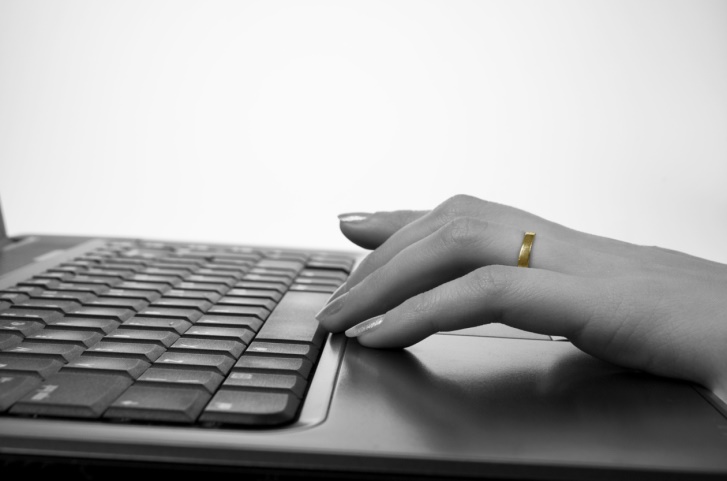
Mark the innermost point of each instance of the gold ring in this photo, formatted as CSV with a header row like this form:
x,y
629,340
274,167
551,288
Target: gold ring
x,y
523,259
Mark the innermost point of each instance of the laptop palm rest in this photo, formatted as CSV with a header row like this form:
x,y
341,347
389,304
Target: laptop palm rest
x,y
509,404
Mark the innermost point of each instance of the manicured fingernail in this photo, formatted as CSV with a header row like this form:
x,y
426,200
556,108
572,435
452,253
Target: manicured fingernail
x,y
354,217
331,308
366,326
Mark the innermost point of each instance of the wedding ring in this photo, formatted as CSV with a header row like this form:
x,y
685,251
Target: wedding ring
x,y
523,259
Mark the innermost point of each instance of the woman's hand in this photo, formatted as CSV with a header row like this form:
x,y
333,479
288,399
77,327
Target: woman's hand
x,y
646,308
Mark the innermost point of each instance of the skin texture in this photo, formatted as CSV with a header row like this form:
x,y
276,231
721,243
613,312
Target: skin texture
x,y
647,308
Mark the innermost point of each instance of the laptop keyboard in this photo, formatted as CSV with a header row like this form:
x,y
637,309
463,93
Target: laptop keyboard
x,y
157,333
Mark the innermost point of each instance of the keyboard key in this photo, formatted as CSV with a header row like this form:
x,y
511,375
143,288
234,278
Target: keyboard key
x,y
148,296
146,254
23,290
263,293
103,312
214,280
42,368
80,338
211,362
252,323
329,256
283,349
73,394
228,275
242,257
294,319
190,315
250,408
268,304
101,280
264,381
57,275
61,352
259,312
232,269
60,306
79,287
165,338
273,286
289,256
111,365
280,265
13,297
76,296
15,386
126,264
236,334
182,294
284,275
208,380
150,249
177,325
40,282
103,271
20,326
198,304
284,279
297,365
102,326
178,262
144,351
344,266
231,263
118,302
159,403
209,346
155,279
40,315
316,281
312,288
9,339
340,277
196,286
176,272
142,286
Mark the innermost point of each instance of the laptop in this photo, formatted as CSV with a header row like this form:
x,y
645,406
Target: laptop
x,y
128,357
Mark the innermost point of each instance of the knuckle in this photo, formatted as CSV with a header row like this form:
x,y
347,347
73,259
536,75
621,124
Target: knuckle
x,y
421,304
462,232
455,206
491,281
419,309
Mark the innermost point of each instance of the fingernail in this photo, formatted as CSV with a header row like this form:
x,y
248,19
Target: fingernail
x,y
331,308
366,326
354,217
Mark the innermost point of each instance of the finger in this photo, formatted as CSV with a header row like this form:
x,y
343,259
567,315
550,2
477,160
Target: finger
x,y
371,230
534,300
452,251
455,207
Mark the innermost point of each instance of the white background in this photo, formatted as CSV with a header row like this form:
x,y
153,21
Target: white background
x,y
258,122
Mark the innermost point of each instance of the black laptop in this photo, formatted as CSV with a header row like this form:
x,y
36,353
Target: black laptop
x,y
128,357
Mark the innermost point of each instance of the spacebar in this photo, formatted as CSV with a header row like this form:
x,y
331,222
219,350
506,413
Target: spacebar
x,y
293,319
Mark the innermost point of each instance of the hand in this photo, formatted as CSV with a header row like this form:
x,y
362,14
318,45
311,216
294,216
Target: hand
x,y
646,308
